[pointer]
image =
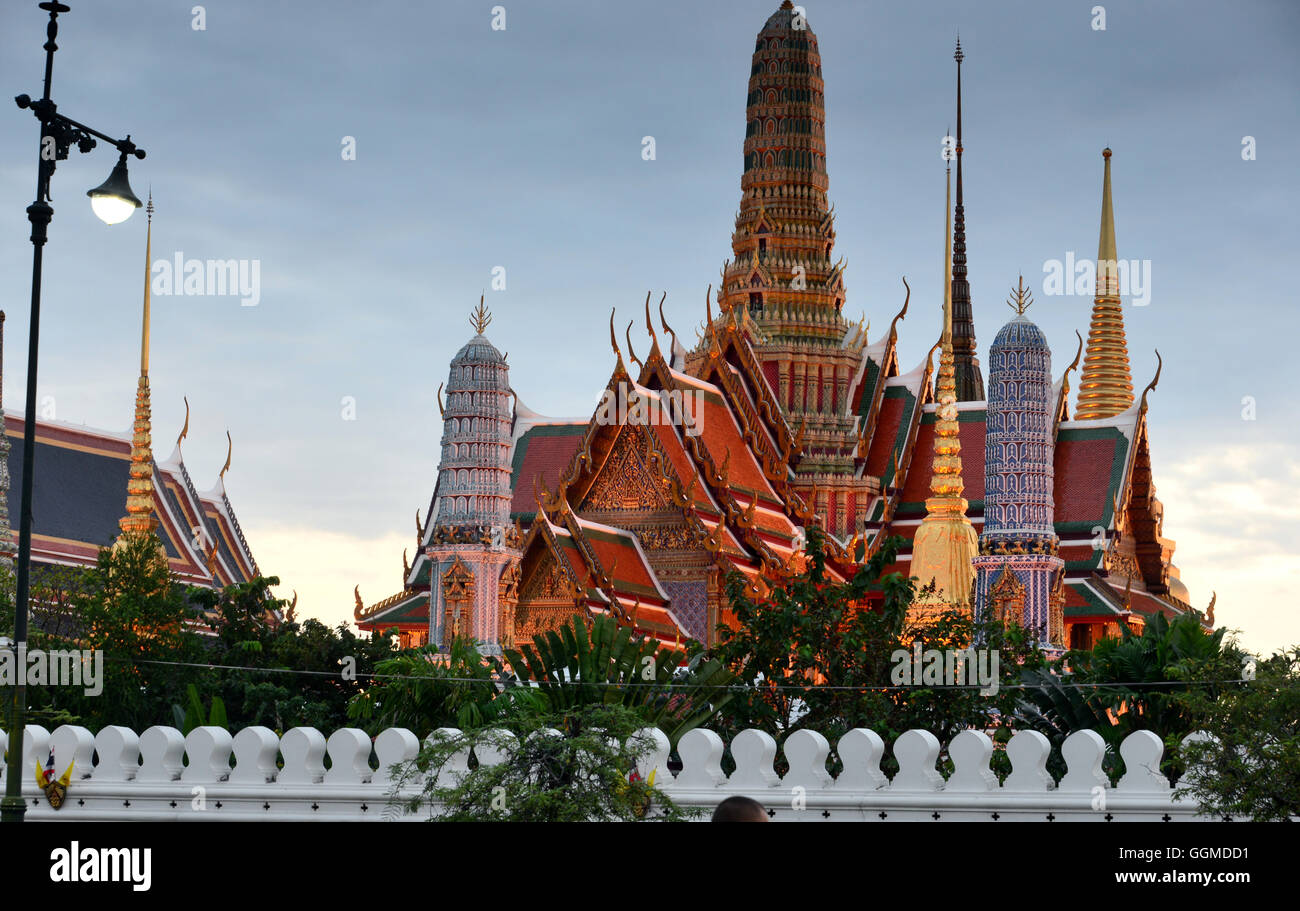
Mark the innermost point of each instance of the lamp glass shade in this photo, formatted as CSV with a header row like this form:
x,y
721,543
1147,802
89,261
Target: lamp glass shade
x,y
113,200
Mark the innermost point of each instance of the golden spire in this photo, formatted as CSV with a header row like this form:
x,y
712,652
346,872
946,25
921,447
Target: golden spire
x,y
1106,387
481,316
139,518
946,542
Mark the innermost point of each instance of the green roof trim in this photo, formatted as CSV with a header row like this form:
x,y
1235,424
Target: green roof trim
x,y
1093,562
1096,604
869,379
405,611
973,416
904,426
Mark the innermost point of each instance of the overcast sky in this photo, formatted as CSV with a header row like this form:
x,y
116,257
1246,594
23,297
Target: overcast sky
x,y
521,148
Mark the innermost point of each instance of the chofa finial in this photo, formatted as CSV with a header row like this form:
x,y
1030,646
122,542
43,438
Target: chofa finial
x,y
230,448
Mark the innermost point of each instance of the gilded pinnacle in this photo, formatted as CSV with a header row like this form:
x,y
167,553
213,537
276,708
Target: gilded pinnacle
x,y
946,542
1106,386
139,516
481,317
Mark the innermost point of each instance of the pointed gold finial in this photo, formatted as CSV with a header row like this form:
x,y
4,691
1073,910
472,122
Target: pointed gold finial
x,y
650,327
664,320
1077,354
185,431
714,350
1023,299
442,412
631,352
481,316
613,340
140,516
901,314
1142,408
356,594
230,448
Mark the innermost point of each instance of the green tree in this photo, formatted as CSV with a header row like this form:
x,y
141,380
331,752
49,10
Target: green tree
x,y
605,663
426,690
1251,766
276,673
1136,682
130,609
585,773
813,656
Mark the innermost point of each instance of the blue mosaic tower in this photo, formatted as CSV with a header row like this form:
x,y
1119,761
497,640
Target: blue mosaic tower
x,y
1018,573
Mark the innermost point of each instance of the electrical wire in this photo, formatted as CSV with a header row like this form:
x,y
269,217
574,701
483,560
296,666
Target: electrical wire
x,y
734,687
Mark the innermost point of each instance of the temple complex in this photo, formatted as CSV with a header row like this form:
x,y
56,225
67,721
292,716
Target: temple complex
x,y
785,413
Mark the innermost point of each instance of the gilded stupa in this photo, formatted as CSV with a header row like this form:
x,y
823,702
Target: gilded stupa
x,y
945,543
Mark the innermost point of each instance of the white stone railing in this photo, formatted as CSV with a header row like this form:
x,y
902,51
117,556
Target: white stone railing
x,y
160,775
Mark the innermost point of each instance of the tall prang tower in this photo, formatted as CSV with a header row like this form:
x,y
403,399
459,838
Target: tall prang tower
x,y
783,282
471,545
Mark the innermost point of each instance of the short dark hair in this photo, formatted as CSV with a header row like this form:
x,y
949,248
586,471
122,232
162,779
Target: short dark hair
x,y
739,809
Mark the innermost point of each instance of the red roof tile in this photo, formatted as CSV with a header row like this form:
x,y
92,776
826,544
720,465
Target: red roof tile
x,y
1083,469
545,455
886,433
971,434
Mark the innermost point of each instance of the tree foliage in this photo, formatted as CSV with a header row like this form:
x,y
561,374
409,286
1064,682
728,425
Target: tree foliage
x,y
1249,767
813,655
1161,680
605,663
576,765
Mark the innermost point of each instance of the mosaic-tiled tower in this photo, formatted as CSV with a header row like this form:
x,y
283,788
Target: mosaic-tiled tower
x,y
1018,573
471,540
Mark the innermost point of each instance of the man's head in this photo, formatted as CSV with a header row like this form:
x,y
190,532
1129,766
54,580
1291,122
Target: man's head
x,y
739,809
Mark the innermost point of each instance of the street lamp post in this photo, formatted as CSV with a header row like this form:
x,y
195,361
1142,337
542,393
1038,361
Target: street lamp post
x,y
113,202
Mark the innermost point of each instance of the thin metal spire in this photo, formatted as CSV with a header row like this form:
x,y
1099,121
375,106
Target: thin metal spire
x,y
139,518
969,380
